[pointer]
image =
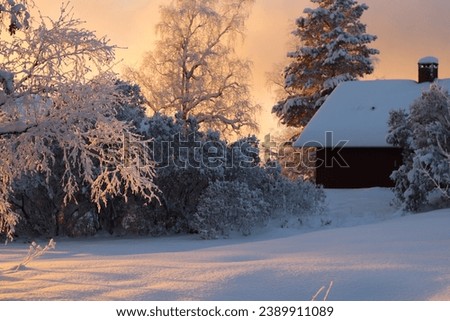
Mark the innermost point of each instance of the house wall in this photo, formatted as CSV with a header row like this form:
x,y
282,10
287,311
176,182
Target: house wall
x,y
356,167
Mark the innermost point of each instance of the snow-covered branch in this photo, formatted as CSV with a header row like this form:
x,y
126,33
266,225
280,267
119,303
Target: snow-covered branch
x,y
56,51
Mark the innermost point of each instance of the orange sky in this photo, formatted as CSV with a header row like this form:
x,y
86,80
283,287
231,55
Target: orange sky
x,y
407,30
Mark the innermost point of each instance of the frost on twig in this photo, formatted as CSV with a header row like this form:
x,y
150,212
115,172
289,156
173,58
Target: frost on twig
x,y
35,251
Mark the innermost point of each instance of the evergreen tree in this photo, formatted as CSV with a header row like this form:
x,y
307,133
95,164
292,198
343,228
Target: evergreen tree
x,y
333,48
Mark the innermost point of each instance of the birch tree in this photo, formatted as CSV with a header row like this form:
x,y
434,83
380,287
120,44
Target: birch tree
x,y
194,69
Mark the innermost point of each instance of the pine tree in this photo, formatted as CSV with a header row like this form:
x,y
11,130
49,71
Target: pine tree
x,y
333,48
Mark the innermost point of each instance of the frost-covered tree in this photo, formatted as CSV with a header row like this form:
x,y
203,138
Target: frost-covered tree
x,y
423,133
58,119
194,69
333,47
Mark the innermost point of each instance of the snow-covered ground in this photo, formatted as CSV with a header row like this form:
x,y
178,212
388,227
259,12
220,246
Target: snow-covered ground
x,y
369,251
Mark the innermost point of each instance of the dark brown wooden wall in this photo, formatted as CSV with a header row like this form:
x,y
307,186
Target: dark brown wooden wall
x,y
367,167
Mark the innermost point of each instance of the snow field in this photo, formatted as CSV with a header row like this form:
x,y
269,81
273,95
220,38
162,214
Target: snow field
x,y
369,251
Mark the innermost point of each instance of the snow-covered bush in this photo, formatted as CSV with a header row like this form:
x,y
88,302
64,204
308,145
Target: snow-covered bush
x,y
191,163
295,199
423,133
189,160
133,109
241,205
229,206
176,146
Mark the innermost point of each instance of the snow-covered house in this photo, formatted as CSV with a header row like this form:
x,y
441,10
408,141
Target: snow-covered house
x,y
350,129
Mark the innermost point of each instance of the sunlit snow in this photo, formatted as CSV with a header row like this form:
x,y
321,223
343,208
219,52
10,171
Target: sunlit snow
x,y
370,252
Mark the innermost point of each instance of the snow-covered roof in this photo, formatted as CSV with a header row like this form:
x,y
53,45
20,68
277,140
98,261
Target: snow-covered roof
x,y
429,60
357,113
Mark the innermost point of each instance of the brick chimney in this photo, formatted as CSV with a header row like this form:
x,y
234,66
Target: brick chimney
x,y
428,69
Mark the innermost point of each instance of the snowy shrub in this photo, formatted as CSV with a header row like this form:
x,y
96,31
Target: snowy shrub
x,y
251,199
40,200
229,206
243,162
30,200
183,170
423,134
40,203
295,198
249,194
290,196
